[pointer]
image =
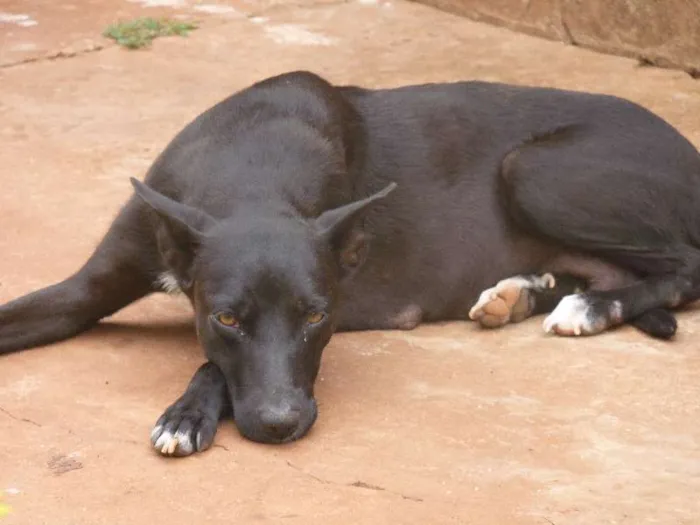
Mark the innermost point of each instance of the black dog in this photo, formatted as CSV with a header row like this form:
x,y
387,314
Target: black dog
x,y
263,209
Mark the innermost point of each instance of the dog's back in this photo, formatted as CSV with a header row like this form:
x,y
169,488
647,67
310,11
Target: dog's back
x,y
446,231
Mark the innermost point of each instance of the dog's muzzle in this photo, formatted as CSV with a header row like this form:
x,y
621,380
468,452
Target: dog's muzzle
x,y
281,421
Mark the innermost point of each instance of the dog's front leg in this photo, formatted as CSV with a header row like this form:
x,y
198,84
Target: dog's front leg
x,y
189,424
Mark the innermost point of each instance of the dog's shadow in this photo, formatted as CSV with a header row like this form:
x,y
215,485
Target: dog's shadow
x,y
178,333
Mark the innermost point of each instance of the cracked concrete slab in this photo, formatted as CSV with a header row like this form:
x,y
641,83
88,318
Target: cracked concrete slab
x,y
445,424
33,30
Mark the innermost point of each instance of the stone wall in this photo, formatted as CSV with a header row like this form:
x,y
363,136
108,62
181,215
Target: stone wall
x,y
661,32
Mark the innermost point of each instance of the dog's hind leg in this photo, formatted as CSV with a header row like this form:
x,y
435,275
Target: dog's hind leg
x,y
189,424
602,276
643,304
517,298
579,193
120,271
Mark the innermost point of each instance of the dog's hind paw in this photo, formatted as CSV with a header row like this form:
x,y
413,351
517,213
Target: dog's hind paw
x,y
510,301
183,430
579,314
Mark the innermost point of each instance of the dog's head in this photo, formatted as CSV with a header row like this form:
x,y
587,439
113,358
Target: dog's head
x,y
264,289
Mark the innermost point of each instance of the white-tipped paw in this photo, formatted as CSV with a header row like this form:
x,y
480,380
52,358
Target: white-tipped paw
x,y
181,432
169,444
573,315
509,300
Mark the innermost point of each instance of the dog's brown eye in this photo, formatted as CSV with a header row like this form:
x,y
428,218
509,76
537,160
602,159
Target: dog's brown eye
x,y
227,319
315,317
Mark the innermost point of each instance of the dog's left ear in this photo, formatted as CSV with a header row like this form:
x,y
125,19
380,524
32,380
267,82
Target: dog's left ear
x,y
181,230
336,227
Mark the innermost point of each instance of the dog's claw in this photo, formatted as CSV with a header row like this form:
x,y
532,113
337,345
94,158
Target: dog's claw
x,y
182,431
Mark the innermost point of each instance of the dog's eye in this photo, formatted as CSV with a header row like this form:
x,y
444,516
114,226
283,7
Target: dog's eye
x,y
227,319
315,317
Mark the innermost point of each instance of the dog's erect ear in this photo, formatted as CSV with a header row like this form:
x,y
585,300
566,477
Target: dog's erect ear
x,y
336,227
182,230
332,222
183,219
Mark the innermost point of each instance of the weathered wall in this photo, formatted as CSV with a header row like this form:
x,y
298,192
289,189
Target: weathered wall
x,y
663,32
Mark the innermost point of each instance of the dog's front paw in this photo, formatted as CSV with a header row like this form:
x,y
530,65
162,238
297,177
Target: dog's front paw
x,y
510,301
183,429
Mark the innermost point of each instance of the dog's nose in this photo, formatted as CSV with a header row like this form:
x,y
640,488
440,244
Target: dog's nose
x,y
279,421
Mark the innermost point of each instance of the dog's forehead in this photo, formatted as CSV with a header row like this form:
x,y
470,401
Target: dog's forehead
x,y
276,257
264,242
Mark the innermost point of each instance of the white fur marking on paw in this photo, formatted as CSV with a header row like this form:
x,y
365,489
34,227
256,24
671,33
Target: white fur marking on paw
x,y
616,311
168,283
536,283
570,317
546,281
155,433
163,443
169,443
184,443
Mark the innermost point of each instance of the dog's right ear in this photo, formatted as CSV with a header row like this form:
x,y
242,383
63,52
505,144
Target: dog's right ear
x,y
182,230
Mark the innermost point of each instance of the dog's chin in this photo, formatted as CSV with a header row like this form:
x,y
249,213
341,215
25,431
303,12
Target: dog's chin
x,y
251,429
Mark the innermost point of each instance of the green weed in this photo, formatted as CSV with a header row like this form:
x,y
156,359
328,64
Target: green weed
x,y
138,33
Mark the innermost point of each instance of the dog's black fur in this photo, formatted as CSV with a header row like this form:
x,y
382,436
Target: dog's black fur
x,y
276,213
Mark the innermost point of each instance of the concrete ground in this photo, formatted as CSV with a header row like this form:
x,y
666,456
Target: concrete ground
x,y
445,424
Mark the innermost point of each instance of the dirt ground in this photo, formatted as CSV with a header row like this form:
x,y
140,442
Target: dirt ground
x,y
442,425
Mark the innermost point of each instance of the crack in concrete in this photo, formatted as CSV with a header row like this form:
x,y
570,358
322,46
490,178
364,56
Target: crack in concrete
x,y
568,36
355,484
62,54
22,419
308,474
57,55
